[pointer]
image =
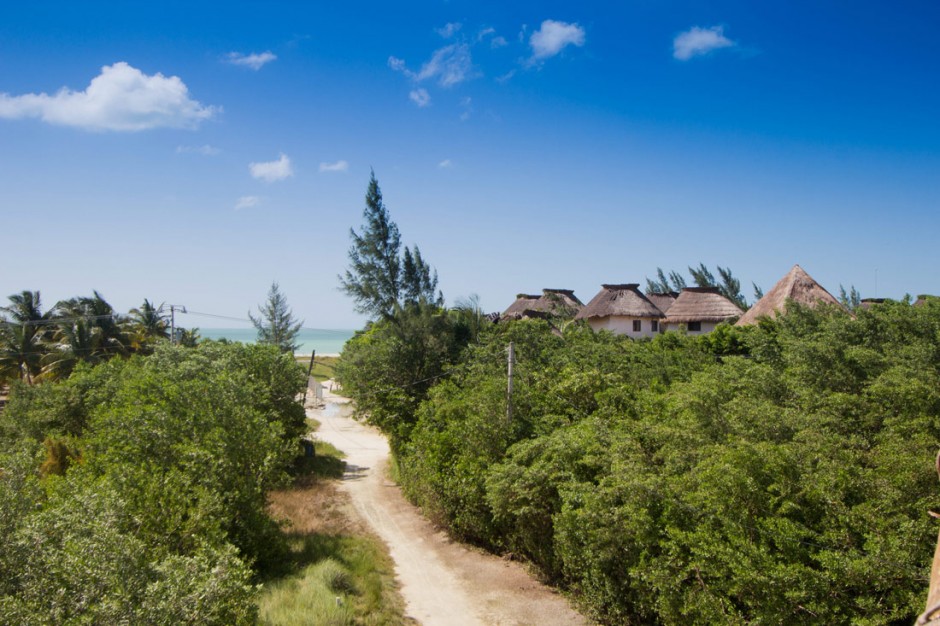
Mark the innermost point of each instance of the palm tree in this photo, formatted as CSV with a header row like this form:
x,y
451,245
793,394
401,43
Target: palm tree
x,y
88,330
23,328
148,324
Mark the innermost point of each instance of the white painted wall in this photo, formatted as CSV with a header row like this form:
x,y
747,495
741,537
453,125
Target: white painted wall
x,y
707,327
622,325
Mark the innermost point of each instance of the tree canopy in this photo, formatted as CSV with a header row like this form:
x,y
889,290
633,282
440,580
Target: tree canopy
x,y
779,473
275,322
382,279
134,491
728,286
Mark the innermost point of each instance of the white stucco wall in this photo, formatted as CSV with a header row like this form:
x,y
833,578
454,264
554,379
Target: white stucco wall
x,y
707,327
621,325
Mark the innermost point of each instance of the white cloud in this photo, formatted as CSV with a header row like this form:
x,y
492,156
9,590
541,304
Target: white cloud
x,y
272,171
449,30
339,166
496,41
247,202
445,164
449,65
698,41
255,60
420,96
120,98
553,37
205,150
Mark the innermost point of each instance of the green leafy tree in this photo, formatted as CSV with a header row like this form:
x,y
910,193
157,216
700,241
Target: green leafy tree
x,y
373,279
148,323
275,322
728,286
23,329
87,329
665,284
381,279
852,299
418,280
758,291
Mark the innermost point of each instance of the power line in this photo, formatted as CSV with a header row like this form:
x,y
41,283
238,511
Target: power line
x,y
248,321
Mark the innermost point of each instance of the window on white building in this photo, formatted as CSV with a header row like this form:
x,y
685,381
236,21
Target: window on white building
x,y
637,326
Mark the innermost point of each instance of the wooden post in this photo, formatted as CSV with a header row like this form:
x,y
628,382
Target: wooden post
x,y
309,372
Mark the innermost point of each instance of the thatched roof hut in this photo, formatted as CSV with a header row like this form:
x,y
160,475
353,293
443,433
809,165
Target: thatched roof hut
x,y
702,304
524,302
620,300
798,286
552,302
663,300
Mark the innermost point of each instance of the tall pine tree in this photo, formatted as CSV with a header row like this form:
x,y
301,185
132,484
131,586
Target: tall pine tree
x,y
380,278
275,322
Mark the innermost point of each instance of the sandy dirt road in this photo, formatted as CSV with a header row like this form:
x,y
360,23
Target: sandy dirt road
x,y
443,582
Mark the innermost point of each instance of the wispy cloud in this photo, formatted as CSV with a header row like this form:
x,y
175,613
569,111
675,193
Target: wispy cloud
x,y
255,60
496,41
272,171
445,164
339,166
205,150
449,30
466,104
420,96
699,41
553,37
449,66
247,202
120,98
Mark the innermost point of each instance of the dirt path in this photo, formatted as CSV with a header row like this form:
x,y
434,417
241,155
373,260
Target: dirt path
x,y
442,581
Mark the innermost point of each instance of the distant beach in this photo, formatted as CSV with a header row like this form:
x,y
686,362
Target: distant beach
x,y
325,342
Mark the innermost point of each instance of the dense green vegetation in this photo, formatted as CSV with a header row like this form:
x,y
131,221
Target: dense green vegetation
x,y
37,345
773,474
134,491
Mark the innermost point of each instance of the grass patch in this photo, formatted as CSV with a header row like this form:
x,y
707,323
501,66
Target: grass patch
x,y
335,571
323,366
326,462
336,579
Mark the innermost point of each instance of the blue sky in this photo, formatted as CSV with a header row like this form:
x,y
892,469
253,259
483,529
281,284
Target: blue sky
x,y
194,152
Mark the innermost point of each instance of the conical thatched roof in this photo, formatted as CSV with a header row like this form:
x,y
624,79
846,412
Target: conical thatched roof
x,y
524,302
702,304
625,300
662,300
798,286
561,302
555,299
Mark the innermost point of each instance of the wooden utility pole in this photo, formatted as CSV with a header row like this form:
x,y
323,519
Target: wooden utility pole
x,y
173,308
512,361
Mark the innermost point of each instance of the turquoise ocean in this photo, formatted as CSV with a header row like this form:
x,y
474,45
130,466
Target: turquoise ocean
x,y
323,341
